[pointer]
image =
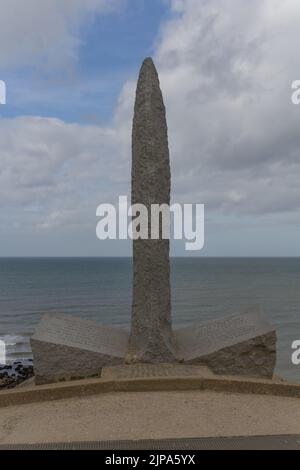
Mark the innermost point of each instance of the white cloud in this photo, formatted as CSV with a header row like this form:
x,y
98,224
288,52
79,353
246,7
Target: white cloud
x,y
226,70
44,31
56,174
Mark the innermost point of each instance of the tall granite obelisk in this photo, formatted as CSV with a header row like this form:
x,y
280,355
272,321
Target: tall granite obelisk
x,y
151,337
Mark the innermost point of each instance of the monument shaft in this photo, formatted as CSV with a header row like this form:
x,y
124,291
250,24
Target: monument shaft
x,y
151,330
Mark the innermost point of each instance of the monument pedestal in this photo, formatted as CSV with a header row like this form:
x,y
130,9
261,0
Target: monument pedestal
x,y
68,348
242,344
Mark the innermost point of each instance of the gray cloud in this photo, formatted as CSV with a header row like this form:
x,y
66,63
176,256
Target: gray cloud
x,y
57,173
44,32
226,70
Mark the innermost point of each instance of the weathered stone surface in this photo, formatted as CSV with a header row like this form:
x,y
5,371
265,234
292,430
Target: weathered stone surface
x,y
151,338
242,344
66,348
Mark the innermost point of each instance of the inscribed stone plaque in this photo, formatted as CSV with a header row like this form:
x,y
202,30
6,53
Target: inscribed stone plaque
x,y
66,348
140,371
242,344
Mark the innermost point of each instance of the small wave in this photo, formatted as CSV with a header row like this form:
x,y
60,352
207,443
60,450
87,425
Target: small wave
x,y
14,340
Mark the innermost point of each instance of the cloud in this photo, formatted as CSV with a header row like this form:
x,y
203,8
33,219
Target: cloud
x,y
226,69
35,32
55,174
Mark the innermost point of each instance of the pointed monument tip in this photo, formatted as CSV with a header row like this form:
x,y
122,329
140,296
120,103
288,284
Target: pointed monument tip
x,y
148,71
148,62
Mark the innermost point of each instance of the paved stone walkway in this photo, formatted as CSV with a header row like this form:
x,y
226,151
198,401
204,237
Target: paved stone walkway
x,y
134,416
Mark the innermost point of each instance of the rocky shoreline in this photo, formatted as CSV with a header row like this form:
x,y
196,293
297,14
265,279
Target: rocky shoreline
x,y
15,373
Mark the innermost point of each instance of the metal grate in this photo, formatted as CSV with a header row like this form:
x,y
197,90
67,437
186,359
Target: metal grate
x,y
222,443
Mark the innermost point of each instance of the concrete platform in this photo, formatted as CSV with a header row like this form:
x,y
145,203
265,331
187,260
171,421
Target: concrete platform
x,y
144,378
139,402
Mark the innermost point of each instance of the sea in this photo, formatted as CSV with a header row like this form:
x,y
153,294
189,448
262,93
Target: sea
x,y
100,289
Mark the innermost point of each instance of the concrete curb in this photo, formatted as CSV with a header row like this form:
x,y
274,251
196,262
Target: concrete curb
x,y
84,388
280,442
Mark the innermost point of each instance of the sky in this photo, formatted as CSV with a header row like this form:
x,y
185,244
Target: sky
x,y
226,70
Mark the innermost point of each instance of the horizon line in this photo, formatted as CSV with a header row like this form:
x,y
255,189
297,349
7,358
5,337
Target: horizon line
x,y
171,257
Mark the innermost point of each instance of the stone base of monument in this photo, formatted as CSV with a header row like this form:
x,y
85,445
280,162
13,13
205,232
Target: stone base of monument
x,y
242,345
68,348
162,371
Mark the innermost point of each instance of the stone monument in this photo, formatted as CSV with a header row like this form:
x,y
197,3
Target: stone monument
x,y
66,348
151,339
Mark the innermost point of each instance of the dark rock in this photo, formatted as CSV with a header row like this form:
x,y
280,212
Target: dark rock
x,y
15,374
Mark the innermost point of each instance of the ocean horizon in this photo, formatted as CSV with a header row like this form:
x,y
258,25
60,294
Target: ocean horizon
x,y
99,289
